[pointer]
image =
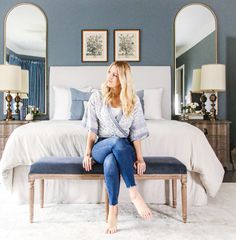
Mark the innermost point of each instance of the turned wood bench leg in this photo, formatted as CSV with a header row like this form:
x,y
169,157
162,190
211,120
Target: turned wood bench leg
x,y
106,204
174,192
41,193
184,197
31,199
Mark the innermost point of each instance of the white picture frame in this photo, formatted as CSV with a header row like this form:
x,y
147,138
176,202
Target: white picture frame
x,y
127,45
94,45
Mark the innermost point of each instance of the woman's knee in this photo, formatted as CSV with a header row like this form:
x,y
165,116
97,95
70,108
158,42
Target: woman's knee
x,y
123,148
121,144
110,165
100,151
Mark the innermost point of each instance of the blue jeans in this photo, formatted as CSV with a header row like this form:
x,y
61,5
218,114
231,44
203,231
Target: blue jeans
x,y
117,156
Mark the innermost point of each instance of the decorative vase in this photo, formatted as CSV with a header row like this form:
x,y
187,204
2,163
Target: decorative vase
x,y
29,117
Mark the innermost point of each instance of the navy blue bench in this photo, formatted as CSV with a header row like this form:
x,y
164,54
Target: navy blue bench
x,y
166,168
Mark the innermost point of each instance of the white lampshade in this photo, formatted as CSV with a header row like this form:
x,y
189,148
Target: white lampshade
x,y
23,96
24,81
196,81
213,77
10,78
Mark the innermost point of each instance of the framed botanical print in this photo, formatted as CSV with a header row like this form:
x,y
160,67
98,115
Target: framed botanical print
x,y
127,45
94,45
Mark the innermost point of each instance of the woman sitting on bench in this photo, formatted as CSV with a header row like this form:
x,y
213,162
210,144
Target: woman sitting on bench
x,y
115,115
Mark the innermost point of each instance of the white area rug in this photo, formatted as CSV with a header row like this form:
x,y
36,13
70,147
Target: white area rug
x,y
215,221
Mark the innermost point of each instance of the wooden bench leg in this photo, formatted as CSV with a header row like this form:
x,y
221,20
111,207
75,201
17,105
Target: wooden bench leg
x,y
174,192
31,199
41,193
106,204
184,197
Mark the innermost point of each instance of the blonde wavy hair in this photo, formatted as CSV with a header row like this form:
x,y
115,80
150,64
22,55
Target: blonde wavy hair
x,y
127,93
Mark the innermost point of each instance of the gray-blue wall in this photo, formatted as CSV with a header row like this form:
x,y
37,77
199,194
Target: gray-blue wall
x,y
202,53
155,18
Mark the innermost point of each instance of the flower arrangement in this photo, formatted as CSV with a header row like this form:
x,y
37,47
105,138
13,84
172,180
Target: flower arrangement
x,y
190,107
34,111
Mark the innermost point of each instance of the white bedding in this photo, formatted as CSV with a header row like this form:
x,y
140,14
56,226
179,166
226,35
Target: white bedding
x,y
32,141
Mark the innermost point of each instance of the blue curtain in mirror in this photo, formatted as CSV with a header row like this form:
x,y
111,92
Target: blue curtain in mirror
x,y
36,70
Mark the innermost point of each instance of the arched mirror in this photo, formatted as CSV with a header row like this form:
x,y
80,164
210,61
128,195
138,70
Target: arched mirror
x,y
25,44
195,30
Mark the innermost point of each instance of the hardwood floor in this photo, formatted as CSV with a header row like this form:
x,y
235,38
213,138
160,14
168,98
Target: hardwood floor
x,y
230,176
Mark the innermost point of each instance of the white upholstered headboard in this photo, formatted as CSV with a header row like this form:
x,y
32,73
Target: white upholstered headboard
x,y
145,77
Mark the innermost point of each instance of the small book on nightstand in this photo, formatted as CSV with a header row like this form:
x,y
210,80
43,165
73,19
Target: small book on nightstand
x,y
195,116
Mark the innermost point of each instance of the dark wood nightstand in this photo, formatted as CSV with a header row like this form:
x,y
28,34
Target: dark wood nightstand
x,y
6,128
218,135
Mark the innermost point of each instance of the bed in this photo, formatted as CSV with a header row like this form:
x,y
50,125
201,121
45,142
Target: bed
x,y
167,137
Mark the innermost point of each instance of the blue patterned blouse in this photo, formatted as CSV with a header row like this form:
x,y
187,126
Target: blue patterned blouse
x,y
99,119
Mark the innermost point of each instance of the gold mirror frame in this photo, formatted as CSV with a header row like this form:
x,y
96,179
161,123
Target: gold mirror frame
x,y
46,39
174,42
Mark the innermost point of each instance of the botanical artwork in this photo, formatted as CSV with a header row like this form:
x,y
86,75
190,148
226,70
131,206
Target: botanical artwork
x,y
94,45
127,45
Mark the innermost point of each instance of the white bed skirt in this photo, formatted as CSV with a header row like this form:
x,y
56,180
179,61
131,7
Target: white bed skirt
x,y
91,191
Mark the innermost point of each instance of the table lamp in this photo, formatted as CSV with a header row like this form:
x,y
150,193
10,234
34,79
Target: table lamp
x,y
196,81
22,94
213,80
10,81
24,84
196,87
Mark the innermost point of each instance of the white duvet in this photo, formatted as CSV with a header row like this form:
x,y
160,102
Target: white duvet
x,y
32,141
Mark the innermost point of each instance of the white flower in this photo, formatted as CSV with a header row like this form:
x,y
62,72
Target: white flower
x,y
193,105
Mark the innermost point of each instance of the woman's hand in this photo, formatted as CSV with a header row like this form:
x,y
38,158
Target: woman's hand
x,y
140,166
87,163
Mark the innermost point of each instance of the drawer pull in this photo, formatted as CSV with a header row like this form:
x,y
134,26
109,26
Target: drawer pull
x,y
205,131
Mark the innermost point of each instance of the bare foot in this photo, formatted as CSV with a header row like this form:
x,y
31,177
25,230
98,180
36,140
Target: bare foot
x,y
112,219
142,208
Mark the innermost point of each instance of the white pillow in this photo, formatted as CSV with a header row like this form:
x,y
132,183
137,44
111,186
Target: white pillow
x,y
153,103
85,104
63,101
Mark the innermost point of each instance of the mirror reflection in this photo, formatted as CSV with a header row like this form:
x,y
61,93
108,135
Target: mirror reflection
x,y
25,46
195,45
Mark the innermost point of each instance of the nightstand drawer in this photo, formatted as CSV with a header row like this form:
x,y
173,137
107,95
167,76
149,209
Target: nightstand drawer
x,y
222,155
3,141
218,142
218,135
213,129
6,128
1,152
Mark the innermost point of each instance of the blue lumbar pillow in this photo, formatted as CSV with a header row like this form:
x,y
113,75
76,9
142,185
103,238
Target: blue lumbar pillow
x,y
77,105
140,94
78,98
